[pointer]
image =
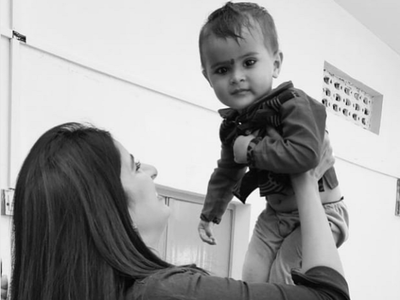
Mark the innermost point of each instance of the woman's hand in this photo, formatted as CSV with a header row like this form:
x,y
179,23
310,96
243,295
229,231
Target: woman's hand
x,y
241,144
326,160
4,284
240,148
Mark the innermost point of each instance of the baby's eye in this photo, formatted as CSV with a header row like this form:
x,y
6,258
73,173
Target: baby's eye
x,y
221,70
137,166
249,62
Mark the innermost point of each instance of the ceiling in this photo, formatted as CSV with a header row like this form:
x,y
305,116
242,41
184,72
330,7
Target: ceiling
x,y
381,17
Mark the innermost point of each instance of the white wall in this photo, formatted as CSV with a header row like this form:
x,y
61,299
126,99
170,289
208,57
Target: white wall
x,y
150,50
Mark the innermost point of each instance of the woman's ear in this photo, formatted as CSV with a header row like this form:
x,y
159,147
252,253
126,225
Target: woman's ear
x,y
278,59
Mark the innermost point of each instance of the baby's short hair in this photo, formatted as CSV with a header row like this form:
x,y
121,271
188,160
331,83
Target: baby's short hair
x,y
229,21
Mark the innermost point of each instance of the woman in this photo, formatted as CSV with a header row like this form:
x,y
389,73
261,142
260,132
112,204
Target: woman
x,y
87,218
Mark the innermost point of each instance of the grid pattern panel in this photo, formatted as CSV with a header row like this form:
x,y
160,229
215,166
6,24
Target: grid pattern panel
x,y
343,98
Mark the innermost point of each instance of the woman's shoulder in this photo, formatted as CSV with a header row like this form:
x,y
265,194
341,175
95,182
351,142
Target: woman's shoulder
x,y
170,283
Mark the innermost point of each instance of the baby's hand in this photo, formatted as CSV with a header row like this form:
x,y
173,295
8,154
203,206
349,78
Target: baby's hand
x,y
206,233
240,148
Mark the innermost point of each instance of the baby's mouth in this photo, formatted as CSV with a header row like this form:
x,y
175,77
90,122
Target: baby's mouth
x,y
240,91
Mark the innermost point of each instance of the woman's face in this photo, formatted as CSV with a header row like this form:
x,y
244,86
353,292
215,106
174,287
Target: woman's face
x,y
147,209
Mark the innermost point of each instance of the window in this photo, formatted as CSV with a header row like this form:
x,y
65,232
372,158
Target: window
x,y
181,244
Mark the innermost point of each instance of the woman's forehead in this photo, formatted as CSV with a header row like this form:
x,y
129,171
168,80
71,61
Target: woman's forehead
x,y
126,157
122,150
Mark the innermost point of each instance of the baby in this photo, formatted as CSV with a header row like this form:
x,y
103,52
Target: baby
x,y
271,132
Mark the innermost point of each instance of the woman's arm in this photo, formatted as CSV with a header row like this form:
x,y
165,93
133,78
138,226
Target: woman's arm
x,y
319,247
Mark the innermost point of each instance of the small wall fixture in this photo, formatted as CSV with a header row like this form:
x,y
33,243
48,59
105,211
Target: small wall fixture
x,y
397,209
350,99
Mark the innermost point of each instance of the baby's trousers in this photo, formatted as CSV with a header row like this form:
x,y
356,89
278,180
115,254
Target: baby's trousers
x,y
275,246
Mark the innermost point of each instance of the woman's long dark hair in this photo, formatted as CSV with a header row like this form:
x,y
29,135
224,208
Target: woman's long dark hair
x,y
72,234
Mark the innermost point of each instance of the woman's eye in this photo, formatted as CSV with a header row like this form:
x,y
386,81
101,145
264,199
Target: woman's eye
x,y
137,166
249,62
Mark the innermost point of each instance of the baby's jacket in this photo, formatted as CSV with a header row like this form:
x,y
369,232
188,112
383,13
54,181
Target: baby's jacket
x,y
300,121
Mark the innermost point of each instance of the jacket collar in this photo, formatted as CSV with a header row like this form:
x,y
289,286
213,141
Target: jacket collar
x,y
232,114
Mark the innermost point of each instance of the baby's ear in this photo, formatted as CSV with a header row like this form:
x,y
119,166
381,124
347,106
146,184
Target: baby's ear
x,y
206,76
278,59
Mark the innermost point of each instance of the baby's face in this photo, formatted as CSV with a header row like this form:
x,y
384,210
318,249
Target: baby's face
x,y
240,72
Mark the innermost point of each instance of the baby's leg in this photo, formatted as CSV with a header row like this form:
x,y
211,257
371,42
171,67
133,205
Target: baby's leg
x,y
263,246
288,257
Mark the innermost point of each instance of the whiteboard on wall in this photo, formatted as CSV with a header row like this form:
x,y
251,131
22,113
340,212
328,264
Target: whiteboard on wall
x,y
154,41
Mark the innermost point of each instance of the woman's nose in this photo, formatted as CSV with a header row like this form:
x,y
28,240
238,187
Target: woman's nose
x,y
149,170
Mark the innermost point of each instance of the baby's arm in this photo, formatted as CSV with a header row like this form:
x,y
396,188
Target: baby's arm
x,y
219,192
298,149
